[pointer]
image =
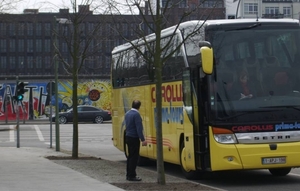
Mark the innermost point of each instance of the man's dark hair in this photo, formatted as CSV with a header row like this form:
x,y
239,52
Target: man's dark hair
x,y
136,104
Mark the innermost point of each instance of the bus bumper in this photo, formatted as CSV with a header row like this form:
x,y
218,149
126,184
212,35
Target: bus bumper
x,y
254,156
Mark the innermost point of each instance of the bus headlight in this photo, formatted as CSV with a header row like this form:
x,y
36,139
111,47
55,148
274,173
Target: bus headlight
x,y
224,136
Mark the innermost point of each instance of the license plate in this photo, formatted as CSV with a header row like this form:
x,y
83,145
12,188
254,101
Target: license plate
x,y
274,160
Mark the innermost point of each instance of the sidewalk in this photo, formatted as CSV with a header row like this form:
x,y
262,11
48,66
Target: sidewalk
x,y
26,169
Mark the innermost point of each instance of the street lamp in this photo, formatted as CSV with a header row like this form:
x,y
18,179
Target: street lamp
x,y
56,22
57,136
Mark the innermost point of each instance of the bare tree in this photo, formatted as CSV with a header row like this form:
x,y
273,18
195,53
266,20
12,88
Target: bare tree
x,y
82,44
6,6
156,16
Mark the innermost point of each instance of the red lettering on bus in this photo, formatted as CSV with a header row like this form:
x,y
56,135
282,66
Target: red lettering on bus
x,y
248,128
153,94
169,93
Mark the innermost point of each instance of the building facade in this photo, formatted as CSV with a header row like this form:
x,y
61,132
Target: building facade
x,y
26,40
263,9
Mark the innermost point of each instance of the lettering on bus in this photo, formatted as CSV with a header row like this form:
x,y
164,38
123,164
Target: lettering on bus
x,y
171,114
272,137
170,93
287,126
248,128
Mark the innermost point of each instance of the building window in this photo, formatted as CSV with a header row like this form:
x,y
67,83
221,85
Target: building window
x,y
64,46
107,61
21,45
2,45
29,62
12,45
3,62
47,62
211,4
287,11
38,45
90,28
2,29
108,29
12,29
47,29
250,8
38,29
125,28
47,45
38,62
12,62
132,29
165,2
21,29
21,61
89,62
182,4
150,28
29,29
272,10
29,45
97,61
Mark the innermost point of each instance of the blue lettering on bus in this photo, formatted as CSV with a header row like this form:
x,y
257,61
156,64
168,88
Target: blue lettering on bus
x,y
288,126
173,114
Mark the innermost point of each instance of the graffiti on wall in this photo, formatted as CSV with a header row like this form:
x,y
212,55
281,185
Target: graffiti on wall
x,y
40,97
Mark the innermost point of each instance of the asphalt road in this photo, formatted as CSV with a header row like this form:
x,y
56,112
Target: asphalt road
x,y
95,140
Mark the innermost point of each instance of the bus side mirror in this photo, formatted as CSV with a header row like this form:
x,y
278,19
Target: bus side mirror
x,y
207,59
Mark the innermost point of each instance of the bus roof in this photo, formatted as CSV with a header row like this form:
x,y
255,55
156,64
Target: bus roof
x,y
170,30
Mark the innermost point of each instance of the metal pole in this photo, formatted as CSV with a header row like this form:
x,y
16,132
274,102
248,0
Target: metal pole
x,y
57,145
24,112
5,101
18,116
50,117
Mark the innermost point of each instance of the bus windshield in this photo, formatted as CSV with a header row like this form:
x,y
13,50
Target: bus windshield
x,y
256,73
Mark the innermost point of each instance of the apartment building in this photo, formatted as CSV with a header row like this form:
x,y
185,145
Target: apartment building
x,y
263,9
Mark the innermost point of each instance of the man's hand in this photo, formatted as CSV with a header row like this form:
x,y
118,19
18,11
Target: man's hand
x,y
144,143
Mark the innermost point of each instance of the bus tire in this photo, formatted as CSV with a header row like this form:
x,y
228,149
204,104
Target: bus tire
x,y
280,171
189,174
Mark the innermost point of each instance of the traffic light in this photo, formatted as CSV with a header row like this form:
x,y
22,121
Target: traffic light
x,y
19,95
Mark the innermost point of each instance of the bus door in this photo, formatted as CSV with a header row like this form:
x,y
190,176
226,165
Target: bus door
x,y
194,136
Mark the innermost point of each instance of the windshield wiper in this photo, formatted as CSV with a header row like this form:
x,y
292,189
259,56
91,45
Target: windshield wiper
x,y
284,106
245,28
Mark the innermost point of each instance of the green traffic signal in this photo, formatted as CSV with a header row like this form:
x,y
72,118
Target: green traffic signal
x,y
20,97
20,91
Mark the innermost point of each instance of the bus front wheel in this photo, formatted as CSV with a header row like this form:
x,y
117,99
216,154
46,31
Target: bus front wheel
x,y
189,174
279,171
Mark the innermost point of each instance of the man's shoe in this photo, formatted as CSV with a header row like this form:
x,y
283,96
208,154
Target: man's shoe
x,y
134,179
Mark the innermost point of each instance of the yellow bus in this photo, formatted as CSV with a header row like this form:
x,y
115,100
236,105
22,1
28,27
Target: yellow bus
x,y
205,127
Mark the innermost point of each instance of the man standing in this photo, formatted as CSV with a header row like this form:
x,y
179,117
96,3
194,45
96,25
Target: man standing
x,y
134,134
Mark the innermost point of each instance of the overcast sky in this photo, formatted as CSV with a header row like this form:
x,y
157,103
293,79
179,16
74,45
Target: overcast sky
x,y
43,6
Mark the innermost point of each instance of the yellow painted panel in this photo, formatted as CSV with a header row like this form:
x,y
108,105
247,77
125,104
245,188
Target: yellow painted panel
x,y
249,156
252,154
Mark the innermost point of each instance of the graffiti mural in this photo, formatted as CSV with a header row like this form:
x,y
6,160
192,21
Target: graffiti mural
x,y
41,96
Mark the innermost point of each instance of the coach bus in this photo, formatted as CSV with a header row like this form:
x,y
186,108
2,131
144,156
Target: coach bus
x,y
205,128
